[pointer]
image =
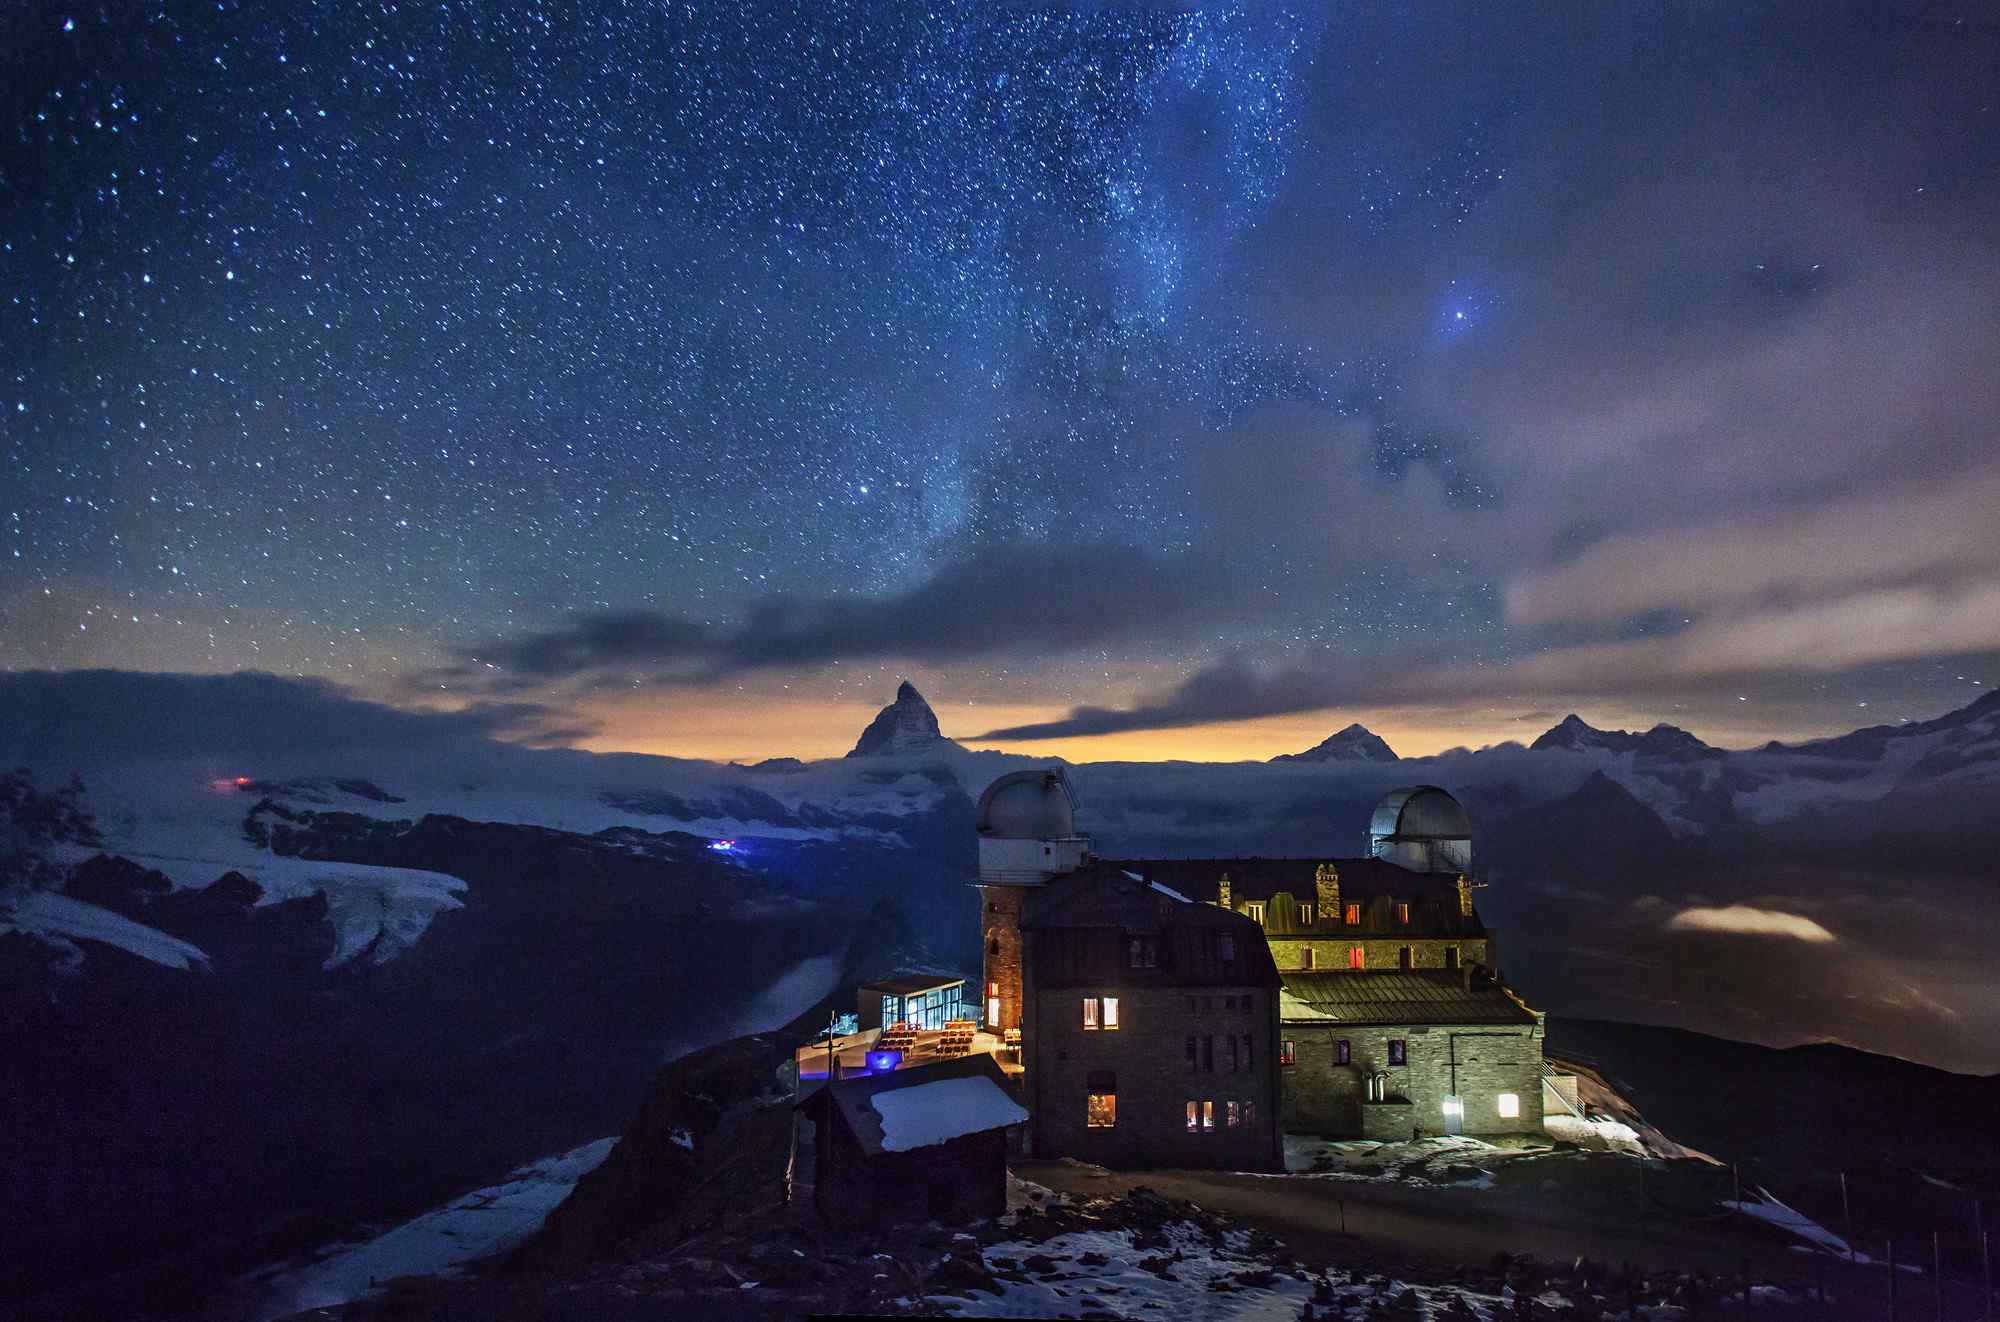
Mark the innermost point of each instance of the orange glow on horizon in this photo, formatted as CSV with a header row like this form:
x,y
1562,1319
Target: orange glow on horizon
x,y
751,728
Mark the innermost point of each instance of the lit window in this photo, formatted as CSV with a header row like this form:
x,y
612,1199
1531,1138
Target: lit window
x,y
1398,1051
1193,1117
1356,957
1256,910
1306,958
1111,1012
1510,1106
1343,1052
1100,1110
1354,915
1232,1116
1454,1108
1207,1116
1090,1012
1306,914
1287,1053
1403,913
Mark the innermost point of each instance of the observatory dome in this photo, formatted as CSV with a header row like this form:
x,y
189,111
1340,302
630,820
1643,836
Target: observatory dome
x,y
1423,828
1028,805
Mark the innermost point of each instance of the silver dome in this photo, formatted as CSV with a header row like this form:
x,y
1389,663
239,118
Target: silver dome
x,y
1420,812
1029,805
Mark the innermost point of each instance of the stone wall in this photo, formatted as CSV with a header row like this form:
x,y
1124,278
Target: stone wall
x,y
1147,1056
1381,953
1000,939
1324,1097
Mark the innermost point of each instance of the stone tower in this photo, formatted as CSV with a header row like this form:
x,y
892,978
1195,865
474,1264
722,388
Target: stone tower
x,y
1027,837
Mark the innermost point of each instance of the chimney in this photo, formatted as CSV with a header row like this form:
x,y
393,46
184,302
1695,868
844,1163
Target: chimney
x,y
1222,892
1326,884
1464,896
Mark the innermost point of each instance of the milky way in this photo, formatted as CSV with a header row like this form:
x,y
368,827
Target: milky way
x,y
336,342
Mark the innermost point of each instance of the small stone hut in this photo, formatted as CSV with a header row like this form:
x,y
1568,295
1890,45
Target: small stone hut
x,y
925,1143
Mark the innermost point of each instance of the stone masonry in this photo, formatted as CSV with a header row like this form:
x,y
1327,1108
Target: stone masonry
x,y
1147,1058
1324,1097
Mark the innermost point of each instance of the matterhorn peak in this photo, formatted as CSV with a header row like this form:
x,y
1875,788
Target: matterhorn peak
x,y
907,725
1357,743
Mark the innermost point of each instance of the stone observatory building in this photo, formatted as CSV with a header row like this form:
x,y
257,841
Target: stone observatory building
x,y
1390,1017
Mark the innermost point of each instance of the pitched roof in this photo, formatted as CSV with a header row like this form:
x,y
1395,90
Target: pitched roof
x,y
1418,997
929,1104
1361,879
1111,896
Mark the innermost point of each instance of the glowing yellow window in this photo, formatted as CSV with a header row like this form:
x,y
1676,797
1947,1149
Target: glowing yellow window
x,y
1510,1106
1101,1110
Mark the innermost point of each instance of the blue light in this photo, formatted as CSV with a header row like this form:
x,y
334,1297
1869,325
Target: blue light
x,y
723,846
882,1062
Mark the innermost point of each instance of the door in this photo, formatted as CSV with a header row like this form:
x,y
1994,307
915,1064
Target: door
x,y
1454,1115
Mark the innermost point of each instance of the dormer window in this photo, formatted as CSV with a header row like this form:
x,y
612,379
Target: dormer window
x,y
1255,909
1306,914
1354,915
1403,912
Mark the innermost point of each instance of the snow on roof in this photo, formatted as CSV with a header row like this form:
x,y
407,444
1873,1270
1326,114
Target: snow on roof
x,y
1169,892
60,919
933,1113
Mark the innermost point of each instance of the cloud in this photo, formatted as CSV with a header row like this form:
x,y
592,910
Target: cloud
x,y
48,718
1743,919
1718,653
1934,533
1017,599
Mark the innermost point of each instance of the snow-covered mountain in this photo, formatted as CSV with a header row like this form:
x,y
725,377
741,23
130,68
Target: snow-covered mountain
x,y
907,725
1575,735
1356,743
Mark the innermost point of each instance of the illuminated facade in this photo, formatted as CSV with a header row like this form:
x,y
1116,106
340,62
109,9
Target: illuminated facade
x,y
1391,1019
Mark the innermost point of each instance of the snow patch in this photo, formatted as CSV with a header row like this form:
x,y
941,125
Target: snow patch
x,y
933,1113
60,921
478,1225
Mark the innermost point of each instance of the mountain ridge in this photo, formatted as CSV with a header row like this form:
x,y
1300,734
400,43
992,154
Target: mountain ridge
x,y
1356,743
907,725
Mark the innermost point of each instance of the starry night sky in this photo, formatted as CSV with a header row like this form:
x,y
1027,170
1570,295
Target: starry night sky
x,y
1139,382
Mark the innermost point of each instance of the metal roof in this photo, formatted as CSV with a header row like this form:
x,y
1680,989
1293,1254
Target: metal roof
x,y
903,984
1029,805
1420,812
1419,997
